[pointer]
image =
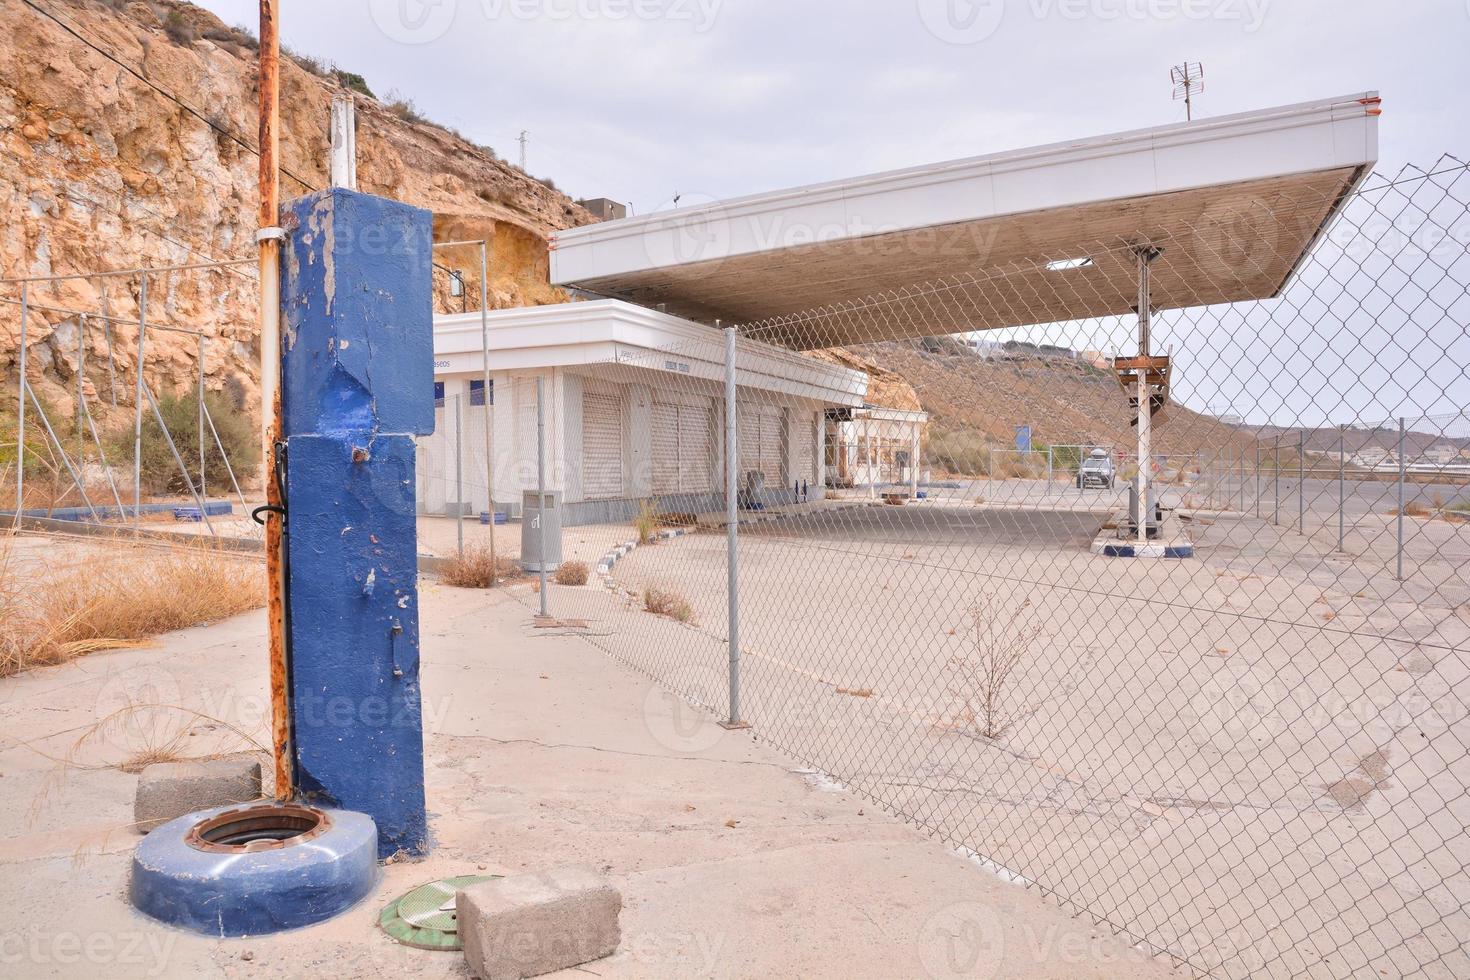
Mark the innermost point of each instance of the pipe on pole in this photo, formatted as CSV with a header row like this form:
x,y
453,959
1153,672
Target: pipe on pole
x,y
732,524
268,237
489,399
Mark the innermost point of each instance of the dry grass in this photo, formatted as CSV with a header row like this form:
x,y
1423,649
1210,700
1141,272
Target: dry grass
x,y
475,570
646,522
1414,509
571,573
117,596
665,602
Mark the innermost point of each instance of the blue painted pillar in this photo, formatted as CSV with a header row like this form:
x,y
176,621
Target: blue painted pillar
x,y
357,376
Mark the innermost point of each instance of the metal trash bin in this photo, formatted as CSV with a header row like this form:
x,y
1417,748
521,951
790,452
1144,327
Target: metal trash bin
x,y
533,515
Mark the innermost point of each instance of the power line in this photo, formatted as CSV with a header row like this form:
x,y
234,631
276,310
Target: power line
x,y
223,131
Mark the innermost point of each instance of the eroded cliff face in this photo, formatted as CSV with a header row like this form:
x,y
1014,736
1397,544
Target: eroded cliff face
x,y
100,171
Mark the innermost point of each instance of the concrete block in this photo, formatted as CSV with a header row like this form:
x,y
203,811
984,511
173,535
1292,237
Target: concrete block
x,y
527,925
171,789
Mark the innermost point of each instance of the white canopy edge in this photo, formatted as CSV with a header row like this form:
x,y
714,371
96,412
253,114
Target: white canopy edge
x,y
611,334
1307,137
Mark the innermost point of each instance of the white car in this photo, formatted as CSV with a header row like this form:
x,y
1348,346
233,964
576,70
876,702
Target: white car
x,y
1096,471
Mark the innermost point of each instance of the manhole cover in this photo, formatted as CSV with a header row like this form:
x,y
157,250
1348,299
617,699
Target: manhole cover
x,y
424,918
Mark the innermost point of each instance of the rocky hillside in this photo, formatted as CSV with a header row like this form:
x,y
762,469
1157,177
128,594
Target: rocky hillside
x,y
126,135
1066,401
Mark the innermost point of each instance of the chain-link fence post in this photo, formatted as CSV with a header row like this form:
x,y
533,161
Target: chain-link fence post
x,y
732,531
489,400
1301,482
20,413
1341,486
1399,549
200,357
1276,482
540,488
138,403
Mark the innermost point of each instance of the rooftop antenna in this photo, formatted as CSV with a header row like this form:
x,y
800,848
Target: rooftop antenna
x,y
522,141
1188,78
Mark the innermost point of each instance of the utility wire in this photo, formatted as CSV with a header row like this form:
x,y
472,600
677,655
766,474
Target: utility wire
x,y
223,131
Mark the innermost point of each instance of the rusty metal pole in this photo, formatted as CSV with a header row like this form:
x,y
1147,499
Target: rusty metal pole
x,y
269,240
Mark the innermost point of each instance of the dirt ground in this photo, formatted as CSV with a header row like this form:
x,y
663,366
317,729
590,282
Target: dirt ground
x,y
1256,758
734,860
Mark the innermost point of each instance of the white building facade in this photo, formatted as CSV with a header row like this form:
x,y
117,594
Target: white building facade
x,y
633,411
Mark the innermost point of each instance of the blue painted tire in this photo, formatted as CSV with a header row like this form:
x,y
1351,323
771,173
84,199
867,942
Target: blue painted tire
x,y
254,892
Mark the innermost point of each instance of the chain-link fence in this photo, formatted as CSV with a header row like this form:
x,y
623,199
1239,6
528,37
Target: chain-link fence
x,y
1203,683
118,412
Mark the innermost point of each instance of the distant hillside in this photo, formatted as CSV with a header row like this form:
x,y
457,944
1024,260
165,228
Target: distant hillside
x,y
1065,400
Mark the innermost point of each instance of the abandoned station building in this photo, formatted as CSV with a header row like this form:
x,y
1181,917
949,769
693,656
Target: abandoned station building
x,y
633,410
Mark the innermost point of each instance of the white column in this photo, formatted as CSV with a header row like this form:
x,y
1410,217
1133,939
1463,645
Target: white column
x,y
914,462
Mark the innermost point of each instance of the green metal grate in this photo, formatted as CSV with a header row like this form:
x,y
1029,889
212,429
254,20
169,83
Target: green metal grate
x,y
424,917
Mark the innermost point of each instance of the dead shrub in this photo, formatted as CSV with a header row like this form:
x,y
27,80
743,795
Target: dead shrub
x,y
117,598
474,569
999,643
665,602
1415,509
571,573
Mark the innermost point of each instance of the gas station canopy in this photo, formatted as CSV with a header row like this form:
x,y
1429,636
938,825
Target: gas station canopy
x,y
1235,202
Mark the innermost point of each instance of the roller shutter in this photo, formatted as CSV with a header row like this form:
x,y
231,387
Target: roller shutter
x,y
665,448
602,446
683,448
804,431
761,445
696,449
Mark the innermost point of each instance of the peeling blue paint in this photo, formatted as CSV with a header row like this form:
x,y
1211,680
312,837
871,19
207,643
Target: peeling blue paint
x,y
357,367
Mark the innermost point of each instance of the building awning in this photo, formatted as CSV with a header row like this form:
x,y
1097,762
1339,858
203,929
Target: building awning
x,y
1235,203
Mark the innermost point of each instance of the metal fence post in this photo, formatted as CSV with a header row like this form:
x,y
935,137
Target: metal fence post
x,y
489,400
20,414
1258,479
138,402
81,376
459,466
1341,486
1276,482
1399,567
540,487
1301,482
732,523
202,492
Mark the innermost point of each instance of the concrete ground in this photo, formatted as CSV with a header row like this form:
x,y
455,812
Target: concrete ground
x,y
1257,758
733,861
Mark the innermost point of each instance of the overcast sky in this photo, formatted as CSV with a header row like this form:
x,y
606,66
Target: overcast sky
x,y
641,99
